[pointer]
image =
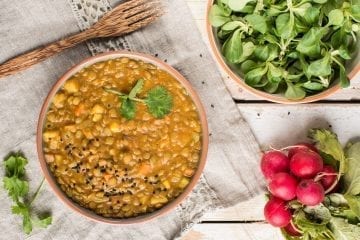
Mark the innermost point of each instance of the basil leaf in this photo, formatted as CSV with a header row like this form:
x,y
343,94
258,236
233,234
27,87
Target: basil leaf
x,y
336,17
320,67
257,22
232,48
128,108
218,16
294,92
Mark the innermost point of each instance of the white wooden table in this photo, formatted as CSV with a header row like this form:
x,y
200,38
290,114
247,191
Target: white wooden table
x,y
279,125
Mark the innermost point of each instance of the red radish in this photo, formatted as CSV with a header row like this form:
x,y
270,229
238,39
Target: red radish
x,y
300,147
276,212
310,193
306,164
274,162
283,186
292,231
328,180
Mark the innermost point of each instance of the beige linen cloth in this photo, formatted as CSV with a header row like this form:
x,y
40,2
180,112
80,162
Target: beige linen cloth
x,y
232,172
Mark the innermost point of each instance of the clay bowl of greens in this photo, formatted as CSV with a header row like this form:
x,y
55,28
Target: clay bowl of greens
x,y
286,51
122,138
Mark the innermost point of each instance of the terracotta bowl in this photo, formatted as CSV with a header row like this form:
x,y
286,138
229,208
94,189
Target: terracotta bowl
x,y
353,67
88,213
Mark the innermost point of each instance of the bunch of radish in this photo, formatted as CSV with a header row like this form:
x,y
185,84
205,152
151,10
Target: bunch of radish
x,y
298,176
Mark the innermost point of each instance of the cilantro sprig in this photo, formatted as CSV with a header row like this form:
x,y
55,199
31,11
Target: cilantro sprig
x,y
159,101
18,189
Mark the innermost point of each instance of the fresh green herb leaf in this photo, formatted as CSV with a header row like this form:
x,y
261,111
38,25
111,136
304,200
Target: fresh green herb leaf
x,y
311,15
342,230
233,48
336,17
248,50
355,12
15,165
294,92
137,88
128,108
253,77
285,25
159,101
314,86
352,175
258,22
320,67
310,43
237,5
354,203
310,40
328,143
18,189
219,15
43,223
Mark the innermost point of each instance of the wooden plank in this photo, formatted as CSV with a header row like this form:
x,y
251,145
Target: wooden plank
x,y
198,10
251,210
253,231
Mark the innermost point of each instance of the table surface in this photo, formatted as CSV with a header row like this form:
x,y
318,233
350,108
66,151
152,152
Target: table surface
x,y
289,124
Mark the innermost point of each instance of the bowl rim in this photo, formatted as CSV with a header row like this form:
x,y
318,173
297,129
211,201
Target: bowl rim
x,y
147,216
263,95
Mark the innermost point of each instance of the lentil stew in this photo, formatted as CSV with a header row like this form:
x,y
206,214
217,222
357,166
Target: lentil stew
x,y
113,166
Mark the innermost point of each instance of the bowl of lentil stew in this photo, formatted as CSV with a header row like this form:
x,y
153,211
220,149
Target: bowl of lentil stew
x,y
110,168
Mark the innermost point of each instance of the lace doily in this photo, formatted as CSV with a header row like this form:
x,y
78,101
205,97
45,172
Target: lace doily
x,y
202,199
87,12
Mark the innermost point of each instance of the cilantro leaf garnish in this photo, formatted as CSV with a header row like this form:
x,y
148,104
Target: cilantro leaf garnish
x,y
159,101
18,189
128,108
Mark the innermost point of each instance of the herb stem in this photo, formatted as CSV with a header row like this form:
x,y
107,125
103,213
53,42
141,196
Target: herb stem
x,y
37,191
137,99
114,91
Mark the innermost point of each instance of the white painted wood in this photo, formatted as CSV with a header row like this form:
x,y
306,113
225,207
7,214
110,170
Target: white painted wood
x,y
251,210
280,126
198,9
253,231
